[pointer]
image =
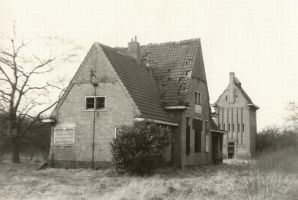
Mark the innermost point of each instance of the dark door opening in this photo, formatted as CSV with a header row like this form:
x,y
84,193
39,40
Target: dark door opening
x,y
231,150
215,151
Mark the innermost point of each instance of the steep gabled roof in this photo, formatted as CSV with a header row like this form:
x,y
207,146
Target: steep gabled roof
x,y
139,83
172,66
245,95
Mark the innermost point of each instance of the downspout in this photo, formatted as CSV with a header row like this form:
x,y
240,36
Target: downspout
x,y
95,84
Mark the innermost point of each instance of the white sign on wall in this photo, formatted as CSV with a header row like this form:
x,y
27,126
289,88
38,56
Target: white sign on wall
x,y
63,136
198,108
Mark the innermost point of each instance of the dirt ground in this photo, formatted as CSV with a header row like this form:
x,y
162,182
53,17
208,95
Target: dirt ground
x,y
231,180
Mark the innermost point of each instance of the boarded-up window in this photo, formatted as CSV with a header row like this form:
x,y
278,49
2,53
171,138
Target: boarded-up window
x,y
187,140
63,137
197,126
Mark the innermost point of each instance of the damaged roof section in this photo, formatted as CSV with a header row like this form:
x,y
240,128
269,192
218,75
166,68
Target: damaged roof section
x,y
172,65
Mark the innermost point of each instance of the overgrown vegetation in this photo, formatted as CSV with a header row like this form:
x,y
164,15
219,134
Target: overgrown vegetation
x,y
140,148
35,143
274,138
267,176
26,90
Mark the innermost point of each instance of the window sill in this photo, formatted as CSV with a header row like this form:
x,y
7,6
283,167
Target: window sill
x,y
103,110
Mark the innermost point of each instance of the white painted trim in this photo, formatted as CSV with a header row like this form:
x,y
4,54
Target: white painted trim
x,y
253,105
175,107
157,121
115,136
48,120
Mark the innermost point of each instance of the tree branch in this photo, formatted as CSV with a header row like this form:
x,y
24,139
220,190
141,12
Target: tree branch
x,y
37,118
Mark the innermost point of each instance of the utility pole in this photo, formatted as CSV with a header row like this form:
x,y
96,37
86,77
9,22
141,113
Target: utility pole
x,y
95,84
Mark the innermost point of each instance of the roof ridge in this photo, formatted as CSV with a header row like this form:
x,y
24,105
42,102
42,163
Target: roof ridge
x,y
174,42
115,50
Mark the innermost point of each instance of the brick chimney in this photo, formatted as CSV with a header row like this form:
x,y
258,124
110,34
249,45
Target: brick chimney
x,y
232,88
134,50
232,77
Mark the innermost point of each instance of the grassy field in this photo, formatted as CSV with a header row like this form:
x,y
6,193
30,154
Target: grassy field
x,y
266,178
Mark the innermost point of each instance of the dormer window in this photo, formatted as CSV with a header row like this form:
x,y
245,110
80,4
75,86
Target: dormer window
x,y
96,103
198,99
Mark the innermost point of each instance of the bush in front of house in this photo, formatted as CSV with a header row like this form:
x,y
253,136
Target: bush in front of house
x,y
139,148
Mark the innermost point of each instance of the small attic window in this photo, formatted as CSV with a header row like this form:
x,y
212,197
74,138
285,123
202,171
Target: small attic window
x,y
95,103
236,98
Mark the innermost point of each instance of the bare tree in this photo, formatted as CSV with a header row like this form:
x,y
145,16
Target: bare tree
x,y
25,90
292,119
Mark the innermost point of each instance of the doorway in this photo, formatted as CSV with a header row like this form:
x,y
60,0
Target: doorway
x,y
231,150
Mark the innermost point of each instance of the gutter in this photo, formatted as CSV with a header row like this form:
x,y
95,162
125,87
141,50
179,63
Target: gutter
x,y
157,121
253,105
218,131
175,107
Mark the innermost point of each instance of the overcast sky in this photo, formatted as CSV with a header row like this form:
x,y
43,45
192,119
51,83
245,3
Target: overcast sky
x,y
257,39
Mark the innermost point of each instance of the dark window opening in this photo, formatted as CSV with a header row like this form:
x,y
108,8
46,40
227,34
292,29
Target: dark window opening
x,y
229,127
220,143
90,103
238,127
187,145
197,98
226,98
197,126
206,127
233,127
95,103
242,127
100,102
231,150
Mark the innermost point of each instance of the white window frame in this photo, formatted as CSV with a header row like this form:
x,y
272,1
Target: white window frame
x,y
92,109
116,128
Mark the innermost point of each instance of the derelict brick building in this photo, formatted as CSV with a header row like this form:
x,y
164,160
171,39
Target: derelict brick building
x,y
165,83
236,113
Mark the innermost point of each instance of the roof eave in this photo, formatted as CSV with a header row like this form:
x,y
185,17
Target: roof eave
x,y
253,106
176,107
157,121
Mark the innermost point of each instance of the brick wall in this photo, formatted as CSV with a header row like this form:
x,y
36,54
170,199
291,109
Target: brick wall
x,y
237,112
119,110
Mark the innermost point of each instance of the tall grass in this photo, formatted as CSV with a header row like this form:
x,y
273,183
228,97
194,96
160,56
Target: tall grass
x,y
265,177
